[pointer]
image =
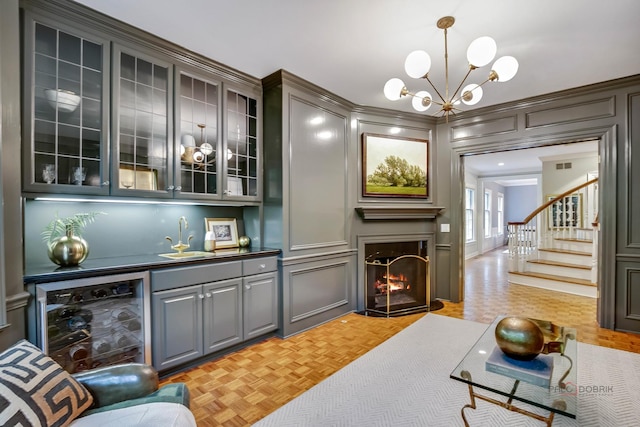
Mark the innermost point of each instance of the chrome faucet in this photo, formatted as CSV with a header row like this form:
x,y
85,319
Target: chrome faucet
x,y
181,246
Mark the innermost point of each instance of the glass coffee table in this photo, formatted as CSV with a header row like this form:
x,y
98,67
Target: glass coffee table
x,y
559,397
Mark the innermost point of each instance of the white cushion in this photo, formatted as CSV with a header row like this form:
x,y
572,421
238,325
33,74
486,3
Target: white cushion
x,y
156,414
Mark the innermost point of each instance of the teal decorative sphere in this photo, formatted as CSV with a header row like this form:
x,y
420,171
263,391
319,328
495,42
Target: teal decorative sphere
x,y
244,241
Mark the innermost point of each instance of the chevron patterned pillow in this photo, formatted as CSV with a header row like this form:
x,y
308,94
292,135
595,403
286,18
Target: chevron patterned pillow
x,y
36,391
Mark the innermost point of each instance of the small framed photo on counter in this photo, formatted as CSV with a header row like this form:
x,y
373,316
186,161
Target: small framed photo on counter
x,y
225,231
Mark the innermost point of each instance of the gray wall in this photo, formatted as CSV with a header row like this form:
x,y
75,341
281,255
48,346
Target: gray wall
x,y
520,201
13,297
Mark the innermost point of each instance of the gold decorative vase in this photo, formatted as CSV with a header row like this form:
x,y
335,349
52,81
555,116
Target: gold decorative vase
x,y
68,250
244,241
520,338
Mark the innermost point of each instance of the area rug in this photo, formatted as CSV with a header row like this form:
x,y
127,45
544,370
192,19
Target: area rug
x,y
405,382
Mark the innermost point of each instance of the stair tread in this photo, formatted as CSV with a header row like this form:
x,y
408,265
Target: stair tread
x,y
573,239
559,264
555,277
566,251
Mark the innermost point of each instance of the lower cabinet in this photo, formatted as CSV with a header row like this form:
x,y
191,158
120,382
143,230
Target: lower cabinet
x,y
192,320
260,303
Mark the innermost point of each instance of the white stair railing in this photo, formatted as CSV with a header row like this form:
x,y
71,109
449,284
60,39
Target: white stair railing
x,y
594,255
559,217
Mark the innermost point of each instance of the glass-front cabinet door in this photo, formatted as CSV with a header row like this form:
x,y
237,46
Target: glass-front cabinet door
x,y
66,92
241,151
197,119
142,100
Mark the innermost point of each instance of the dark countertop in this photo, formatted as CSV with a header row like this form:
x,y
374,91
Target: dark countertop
x,y
116,265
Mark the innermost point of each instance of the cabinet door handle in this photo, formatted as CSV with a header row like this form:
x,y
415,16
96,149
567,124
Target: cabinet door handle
x,y
208,294
169,188
200,296
105,183
178,188
263,266
247,287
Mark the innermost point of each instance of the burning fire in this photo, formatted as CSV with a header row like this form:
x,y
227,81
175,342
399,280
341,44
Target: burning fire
x,y
392,284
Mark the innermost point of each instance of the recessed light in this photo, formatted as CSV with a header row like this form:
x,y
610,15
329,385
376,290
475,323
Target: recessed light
x,y
501,164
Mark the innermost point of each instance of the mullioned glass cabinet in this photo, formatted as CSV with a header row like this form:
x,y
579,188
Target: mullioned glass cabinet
x,y
65,117
108,118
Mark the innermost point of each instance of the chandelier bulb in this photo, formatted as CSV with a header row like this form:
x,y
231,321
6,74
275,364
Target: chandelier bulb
x,y
417,64
504,69
206,149
421,101
198,157
394,89
481,51
471,94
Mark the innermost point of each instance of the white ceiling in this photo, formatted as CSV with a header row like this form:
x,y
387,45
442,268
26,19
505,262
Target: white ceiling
x,y
519,166
351,48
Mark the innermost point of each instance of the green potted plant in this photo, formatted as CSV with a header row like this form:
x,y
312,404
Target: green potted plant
x,y
63,237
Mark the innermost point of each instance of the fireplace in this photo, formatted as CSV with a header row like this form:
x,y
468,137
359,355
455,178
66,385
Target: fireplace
x,y
397,278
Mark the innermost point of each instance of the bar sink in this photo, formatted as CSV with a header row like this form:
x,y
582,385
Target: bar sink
x,y
189,254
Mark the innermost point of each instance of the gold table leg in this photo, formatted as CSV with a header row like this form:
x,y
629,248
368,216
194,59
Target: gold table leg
x,y
558,404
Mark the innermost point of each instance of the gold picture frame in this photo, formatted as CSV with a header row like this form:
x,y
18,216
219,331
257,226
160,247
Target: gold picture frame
x,y
138,179
394,166
225,231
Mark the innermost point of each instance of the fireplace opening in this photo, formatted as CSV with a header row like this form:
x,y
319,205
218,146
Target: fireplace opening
x,y
397,278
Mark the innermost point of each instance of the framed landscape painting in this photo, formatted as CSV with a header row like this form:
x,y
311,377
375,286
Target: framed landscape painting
x,y
394,166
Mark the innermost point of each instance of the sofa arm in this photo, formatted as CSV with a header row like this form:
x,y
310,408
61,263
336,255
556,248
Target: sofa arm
x,y
117,383
170,393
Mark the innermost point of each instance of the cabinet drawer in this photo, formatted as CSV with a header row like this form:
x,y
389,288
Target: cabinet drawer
x,y
259,265
171,278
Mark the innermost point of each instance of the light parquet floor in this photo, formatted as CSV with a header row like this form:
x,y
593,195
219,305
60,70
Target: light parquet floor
x,y
245,386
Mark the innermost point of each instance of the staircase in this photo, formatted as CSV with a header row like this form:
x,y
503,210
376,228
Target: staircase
x,y
565,266
547,250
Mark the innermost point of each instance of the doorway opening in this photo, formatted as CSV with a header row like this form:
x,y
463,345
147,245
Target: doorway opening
x,y
516,177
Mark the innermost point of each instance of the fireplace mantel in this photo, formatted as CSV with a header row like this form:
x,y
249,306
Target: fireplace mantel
x,y
398,213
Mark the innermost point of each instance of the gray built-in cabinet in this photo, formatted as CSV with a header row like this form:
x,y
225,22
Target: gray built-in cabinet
x,y
194,315
65,99
111,113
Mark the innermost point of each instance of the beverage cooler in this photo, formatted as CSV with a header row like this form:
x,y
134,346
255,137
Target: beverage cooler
x,y
87,323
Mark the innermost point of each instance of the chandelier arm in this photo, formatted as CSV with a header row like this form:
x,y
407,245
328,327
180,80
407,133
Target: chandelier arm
x,y
471,68
435,88
480,85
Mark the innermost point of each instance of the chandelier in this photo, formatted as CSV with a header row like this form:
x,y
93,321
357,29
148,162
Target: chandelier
x,y
198,156
480,52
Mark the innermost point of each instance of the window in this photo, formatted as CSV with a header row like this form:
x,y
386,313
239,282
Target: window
x,y
469,206
487,213
500,214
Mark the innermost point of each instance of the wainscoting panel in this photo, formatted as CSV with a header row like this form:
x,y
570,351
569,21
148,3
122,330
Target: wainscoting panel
x,y
628,297
315,290
590,110
317,206
632,178
482,129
